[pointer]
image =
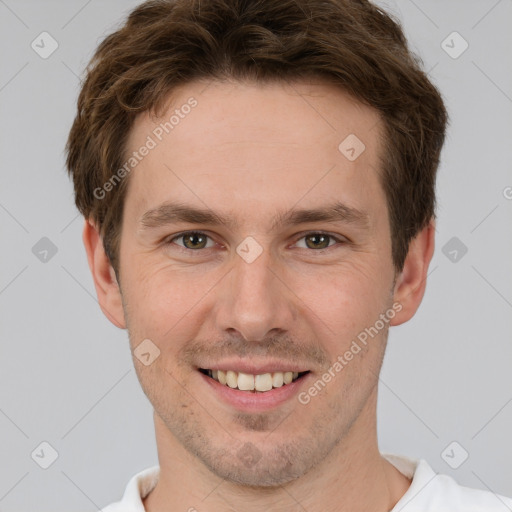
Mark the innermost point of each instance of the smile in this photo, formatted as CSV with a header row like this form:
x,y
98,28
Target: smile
x,y
253,383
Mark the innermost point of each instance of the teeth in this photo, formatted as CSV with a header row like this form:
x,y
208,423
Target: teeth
x,y
231,379
263,382
278,379
248,382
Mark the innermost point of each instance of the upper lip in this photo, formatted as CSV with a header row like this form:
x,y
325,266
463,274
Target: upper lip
x,y
254,367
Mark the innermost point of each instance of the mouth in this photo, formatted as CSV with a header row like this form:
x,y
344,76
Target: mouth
x,y
253,383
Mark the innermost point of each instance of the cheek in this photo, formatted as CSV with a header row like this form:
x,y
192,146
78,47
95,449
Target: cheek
x,y
162,300
344,298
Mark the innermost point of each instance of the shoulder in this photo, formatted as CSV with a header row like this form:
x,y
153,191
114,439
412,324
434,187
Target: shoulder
x,y
436,492
139,486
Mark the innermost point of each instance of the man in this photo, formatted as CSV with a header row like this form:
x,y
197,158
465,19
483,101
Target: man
x,y
258,184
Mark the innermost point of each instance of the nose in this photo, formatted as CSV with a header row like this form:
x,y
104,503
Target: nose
x,y
254,300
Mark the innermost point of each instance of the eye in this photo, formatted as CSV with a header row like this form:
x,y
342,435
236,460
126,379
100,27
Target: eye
x,y
193,240
319,240
196,240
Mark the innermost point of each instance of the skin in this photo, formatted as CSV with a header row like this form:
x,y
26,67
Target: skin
x,y
249,151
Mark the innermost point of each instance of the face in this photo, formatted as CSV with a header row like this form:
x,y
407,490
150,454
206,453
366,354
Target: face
x,y
251,243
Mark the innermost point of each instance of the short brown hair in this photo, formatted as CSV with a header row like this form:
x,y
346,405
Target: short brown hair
x,y
351,43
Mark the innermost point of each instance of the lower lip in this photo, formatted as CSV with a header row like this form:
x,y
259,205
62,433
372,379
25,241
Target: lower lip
x,y
251,402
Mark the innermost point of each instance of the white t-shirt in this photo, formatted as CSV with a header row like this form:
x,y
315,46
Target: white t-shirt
x,y
428,492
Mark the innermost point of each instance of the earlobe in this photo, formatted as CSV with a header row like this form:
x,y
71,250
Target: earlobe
x,y
105,281
411,283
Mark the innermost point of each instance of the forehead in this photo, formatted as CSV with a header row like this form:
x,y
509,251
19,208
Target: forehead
x,y
250,145
286,113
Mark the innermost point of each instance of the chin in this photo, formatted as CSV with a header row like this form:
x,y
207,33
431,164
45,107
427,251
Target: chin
x,y
268,467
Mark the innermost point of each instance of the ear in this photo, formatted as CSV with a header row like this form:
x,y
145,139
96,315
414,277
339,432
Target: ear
x,y
105,281
412,281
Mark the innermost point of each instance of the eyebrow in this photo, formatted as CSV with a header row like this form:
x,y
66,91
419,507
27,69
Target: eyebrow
x,y
172,213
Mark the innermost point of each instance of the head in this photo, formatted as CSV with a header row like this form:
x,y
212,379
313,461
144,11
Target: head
x,y
294,147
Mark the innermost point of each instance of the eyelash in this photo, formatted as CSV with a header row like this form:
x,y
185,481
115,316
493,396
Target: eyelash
x,y
341,241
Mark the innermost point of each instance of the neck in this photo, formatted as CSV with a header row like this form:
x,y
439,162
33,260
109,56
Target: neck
x,y
353,478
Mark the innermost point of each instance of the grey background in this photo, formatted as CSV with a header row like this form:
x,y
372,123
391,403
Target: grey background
x,y
66,373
